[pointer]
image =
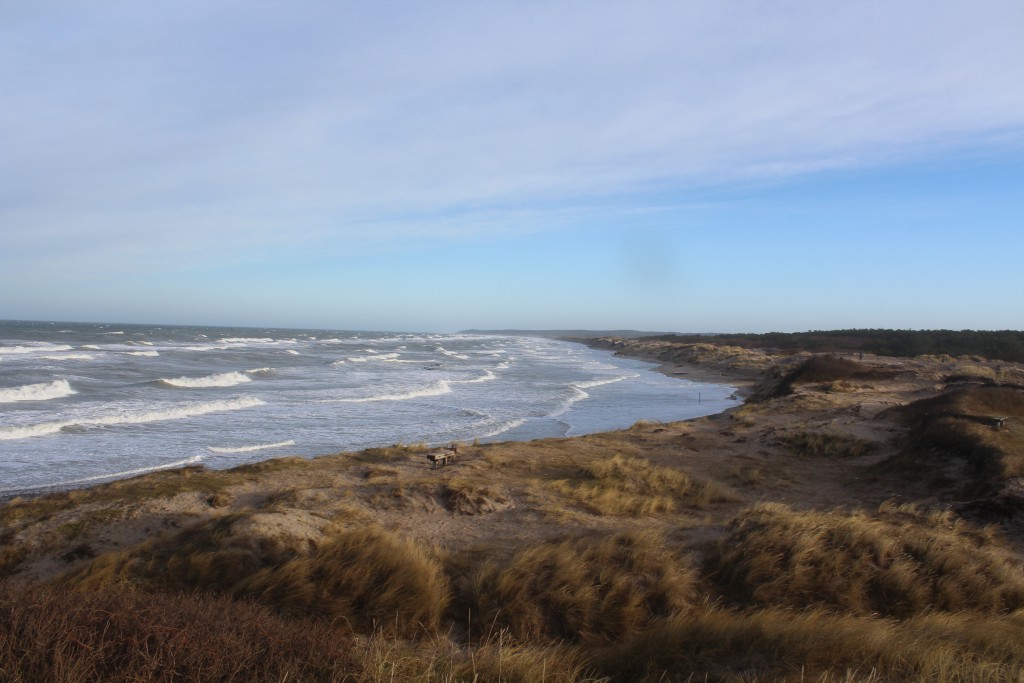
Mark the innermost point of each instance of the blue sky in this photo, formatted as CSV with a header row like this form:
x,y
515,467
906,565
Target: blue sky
x,y
677,166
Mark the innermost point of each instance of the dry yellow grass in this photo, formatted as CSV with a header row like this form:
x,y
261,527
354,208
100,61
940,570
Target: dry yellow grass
x,y
900,563
782,644
623,485
591,589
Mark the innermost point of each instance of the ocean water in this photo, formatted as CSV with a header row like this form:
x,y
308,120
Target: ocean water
x,y
83,403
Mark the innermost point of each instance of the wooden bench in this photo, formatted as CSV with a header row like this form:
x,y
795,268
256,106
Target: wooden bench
x,y
442,457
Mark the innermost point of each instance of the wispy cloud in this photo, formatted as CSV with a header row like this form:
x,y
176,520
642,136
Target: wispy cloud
x,y
152,134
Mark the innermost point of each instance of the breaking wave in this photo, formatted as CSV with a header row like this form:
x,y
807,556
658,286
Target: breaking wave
x,y
176,413
221,379
42,348
37,392
503,427
142,353
599,382
436,389
69,356
248,449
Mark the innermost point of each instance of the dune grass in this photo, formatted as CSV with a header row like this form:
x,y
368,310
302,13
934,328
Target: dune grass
x,y
630,486
589,589
815,645
367,577
52,634
900,563
826,445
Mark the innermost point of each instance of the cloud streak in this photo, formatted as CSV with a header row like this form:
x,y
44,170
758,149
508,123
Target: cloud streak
x,y
154,135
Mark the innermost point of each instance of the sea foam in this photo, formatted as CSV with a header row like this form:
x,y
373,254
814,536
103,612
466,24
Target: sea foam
x,y
248,449
223,379
175,413
37,392
436,389
42,348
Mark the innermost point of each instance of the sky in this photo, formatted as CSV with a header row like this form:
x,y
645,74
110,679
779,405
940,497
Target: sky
x,y
698,166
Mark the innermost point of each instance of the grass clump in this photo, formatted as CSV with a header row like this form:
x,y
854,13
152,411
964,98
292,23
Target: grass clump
x,y
366,577
369,577
590,589
824,445
52,634
900,563
632,486
211,556
816,645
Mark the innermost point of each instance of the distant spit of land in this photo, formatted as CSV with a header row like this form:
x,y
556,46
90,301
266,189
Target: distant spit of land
x,y
858,516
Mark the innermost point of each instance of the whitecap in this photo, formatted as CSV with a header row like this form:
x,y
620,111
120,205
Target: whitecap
x,y
69,356
41,348
486,377
176,413
292,352
247,449
37,392
222,379
600,382
142,353
436,389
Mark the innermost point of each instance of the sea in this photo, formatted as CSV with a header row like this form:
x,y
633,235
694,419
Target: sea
x,y
86,403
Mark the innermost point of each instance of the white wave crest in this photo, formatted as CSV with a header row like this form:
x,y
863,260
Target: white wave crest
x,y
92,347
37,392
577,396
69,356
486,377
292,352
503,427
126,473
261,372
42,348
600,382
436,389
143,353
384,357
247,340
446,352
248,449
223,379
177,413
